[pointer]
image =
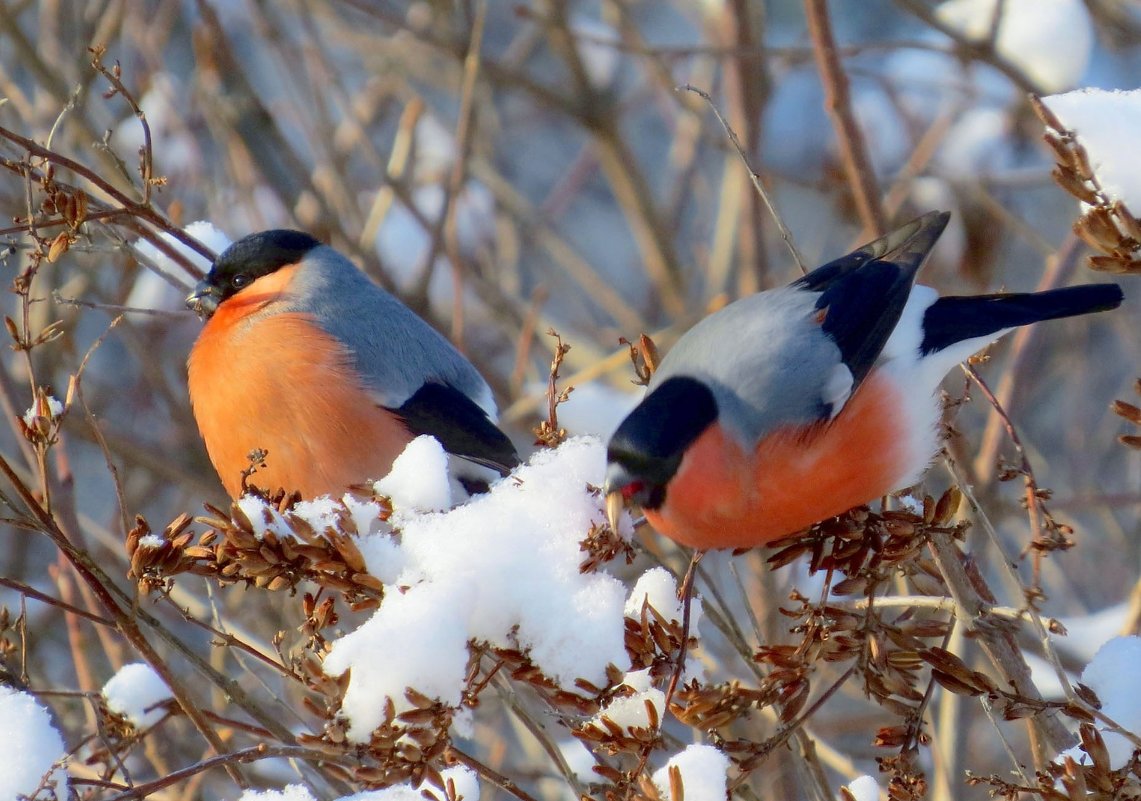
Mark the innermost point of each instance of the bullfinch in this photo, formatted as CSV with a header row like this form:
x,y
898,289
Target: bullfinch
x,y
302,356
796,404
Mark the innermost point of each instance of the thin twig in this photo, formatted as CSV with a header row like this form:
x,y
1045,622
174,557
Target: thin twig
x,y
33,593
785,233
245,756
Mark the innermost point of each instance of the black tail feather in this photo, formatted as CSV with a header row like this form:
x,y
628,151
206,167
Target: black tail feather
x,y
955,319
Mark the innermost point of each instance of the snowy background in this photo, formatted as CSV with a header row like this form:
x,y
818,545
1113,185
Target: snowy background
x,y
561,179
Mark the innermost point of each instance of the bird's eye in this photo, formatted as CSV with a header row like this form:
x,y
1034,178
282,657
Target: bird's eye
x,y
240,281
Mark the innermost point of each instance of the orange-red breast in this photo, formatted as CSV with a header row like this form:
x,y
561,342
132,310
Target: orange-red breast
x,y
796,404
304,357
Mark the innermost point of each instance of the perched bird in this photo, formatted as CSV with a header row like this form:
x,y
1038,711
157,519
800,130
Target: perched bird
x,y
796,404
304,357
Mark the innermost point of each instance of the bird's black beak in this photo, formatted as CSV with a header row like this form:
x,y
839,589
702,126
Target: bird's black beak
x,y
204,300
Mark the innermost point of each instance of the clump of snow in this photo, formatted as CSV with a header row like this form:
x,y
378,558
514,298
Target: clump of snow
x,y
136,692
704,774
291,792
657,587
1113,676
865,788
1106,125
383,557
263,517
416,639
324,512
501,569
32,747
320,513
365,515
633,711
1049,40
53,408
152,541
418,481
463,780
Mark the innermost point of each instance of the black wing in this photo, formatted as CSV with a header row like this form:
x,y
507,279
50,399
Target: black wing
x,y
863,293
461,426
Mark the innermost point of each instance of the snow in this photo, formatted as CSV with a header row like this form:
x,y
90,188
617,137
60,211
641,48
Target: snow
x,y
416,639
54,410
658,587
365,515
134,692
1049,40
418,481
501,569
263,517
152,540
703,774
1106,125
1112,675
291,792
31,747
464,780
865,788
320,513
632,711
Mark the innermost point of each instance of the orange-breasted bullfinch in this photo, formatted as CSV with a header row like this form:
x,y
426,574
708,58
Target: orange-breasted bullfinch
x,y
796,404
304,357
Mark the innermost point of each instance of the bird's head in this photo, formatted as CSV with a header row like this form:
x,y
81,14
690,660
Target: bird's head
x,y
244,262
647,448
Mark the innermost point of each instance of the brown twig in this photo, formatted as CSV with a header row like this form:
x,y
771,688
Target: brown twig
x,y
32,592
853,149
130,208
98,582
